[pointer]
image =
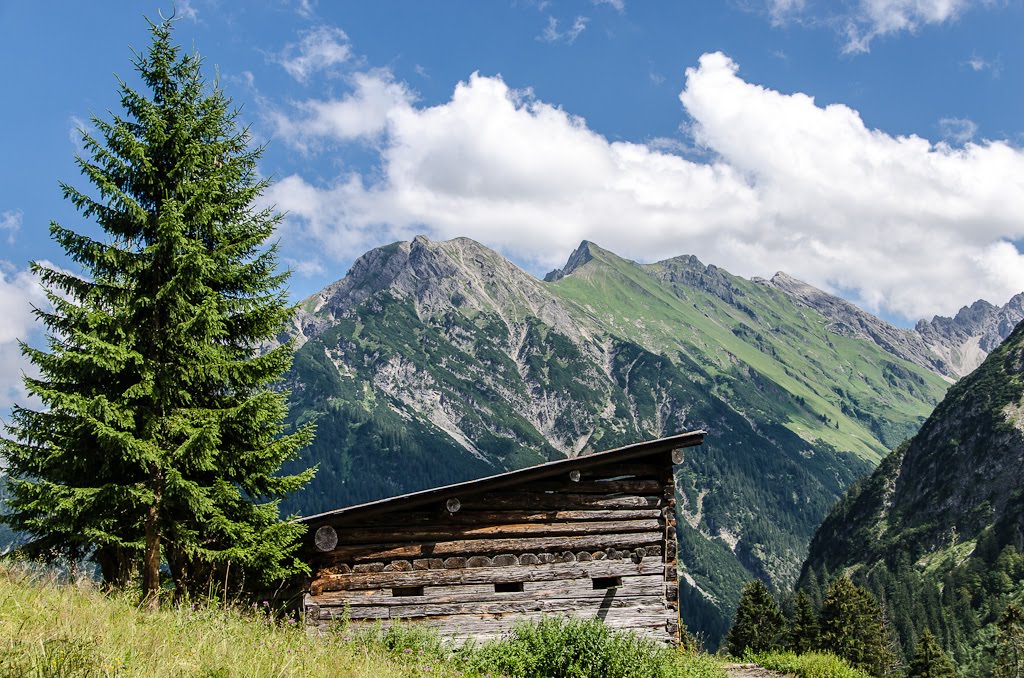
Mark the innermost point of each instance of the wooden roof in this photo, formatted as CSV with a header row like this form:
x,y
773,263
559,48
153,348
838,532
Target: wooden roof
x,y
541,471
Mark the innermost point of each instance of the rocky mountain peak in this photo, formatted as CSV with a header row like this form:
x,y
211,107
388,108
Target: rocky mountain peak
x,y
582,255
976,330
458,275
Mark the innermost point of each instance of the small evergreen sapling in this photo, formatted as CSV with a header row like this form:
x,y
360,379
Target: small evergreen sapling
x,y
852,627
161,436
1009,645
759,623
802,629
930,660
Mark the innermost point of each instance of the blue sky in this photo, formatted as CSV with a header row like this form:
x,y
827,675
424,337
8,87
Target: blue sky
x,y
870,147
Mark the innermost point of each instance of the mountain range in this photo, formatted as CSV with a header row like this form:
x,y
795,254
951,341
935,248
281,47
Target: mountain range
x,y
436,362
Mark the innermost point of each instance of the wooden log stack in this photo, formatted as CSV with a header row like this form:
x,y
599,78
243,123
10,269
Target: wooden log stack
x,y
591,536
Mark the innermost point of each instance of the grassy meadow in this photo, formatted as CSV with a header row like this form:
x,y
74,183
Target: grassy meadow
x,y
51,628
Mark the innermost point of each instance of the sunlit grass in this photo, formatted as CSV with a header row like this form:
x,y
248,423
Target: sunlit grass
x,y
809,665
73,629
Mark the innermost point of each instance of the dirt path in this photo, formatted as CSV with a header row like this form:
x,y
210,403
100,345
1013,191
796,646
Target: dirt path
x,y
749,671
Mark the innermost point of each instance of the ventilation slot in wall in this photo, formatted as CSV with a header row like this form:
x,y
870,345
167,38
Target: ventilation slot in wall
x,y
508,587
403,591
607,582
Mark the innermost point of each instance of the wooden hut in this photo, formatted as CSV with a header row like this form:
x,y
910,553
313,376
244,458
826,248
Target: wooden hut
x,y
591,536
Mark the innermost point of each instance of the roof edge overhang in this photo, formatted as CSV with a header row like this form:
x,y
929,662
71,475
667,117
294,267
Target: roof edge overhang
x,y
502,480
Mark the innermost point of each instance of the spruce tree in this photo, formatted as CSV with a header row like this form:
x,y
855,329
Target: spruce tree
x,y
802,629
161,439
930,660
852,627
1009,644
759,623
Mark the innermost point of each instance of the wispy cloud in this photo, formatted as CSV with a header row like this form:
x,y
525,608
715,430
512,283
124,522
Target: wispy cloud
x,y
875,18
306,8
783,10
551,34
185,10
618,5
77,128
958,131
980,64
306,268
319,49
10,221
861,22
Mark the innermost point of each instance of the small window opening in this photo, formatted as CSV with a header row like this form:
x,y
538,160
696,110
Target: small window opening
x,y
403,591
508,587
607,582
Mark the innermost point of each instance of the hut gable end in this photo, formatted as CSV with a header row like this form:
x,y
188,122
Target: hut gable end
x,y
591,536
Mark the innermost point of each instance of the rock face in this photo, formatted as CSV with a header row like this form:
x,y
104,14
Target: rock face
x,y
436,362
964,340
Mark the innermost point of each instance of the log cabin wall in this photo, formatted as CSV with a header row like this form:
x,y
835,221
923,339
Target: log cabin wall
x,y
594,540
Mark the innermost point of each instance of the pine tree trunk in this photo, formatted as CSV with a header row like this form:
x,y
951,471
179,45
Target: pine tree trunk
x,y
151,559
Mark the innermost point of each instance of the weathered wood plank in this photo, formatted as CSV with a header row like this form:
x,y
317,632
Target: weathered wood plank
x,y
351,536
554,500
392,551
639,605
638,470
653,623
482,517
638,487
635,603
642,585
484,575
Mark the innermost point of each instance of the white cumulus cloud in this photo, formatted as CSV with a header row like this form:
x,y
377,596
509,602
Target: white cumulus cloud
x,y
900,224
19,292
363,113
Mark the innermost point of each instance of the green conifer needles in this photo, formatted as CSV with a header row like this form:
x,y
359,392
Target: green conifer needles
x,y
852,627
930,660
759,623
161,436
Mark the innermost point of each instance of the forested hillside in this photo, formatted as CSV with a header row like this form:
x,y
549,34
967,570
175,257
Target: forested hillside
x,y
937,531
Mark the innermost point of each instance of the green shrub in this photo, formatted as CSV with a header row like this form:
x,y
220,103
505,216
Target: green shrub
x,y
559,647
808,665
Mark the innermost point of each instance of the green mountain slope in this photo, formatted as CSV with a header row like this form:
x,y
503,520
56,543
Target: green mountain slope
x,y
433,362
938,529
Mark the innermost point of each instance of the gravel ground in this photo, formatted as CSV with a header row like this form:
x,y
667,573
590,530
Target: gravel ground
x,y
749,671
